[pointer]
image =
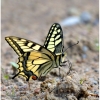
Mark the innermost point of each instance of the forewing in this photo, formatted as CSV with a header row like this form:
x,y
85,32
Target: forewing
x,y
21,45
54,40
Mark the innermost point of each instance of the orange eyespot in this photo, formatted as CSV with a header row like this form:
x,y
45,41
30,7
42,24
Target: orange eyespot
x,y
34,77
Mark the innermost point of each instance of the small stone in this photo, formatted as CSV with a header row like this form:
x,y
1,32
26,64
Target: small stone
x,y
37,90
87,69
85,17
96,70
96,92
19,83
85,48
93,81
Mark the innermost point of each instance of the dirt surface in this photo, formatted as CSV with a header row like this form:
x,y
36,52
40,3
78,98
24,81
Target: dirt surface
x,y
31,19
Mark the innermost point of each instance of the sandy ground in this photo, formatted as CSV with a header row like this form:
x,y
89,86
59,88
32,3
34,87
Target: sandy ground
x,y
31,19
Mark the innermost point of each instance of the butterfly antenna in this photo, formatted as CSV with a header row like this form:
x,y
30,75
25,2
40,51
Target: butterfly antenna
x,y
72,45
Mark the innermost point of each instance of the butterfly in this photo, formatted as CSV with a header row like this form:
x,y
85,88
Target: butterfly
x,y
35,60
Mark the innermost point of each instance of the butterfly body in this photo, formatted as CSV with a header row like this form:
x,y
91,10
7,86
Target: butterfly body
x,y
36,60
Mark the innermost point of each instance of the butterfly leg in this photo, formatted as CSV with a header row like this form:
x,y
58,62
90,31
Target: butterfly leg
x,y
61,77
70,66
63,63
59,72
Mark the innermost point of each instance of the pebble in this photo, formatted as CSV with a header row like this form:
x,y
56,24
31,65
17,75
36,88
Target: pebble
x,y
70,21
96,92
22,88
84,56
37,90
87,69
96,70
96,22
16,98
85,17
19,83
93,81
4,88
85,48
49,84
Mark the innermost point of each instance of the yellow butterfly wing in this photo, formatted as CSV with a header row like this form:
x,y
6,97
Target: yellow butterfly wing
x,y
34,59
21,45
54,40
